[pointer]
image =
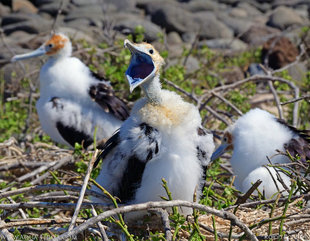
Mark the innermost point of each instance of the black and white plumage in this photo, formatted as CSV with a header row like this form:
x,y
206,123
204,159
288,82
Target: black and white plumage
x,y
162,138
254,137
73,101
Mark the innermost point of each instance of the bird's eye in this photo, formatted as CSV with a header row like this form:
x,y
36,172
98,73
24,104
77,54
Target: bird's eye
x,y
50,45
151,51
225,139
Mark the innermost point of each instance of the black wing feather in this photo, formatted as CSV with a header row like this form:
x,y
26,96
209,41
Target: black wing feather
x,y
131,179
71,135
103,95
132,176
111,143
305,134
298,146
68,133
144,144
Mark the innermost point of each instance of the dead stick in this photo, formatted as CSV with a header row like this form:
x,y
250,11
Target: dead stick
x,y
62,206
22,213
29,222
100,226
296,99
227,102
83,189
60,163
276,98
284,199
162,204
49,187
57,15
5,233
165,220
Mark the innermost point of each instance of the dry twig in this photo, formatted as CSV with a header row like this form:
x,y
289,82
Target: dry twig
x,y
83,189
162,204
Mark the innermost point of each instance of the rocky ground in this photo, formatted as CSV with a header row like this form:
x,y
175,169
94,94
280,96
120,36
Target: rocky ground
x,y
211,49
222,24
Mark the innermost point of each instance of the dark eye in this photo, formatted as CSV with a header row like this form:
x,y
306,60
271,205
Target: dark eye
x,y
151,51
225,139
50,45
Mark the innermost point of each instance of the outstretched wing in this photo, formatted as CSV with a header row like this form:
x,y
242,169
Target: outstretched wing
x,y
103,95
124,160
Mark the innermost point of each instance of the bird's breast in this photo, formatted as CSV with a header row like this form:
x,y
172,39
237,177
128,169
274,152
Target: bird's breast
x,y
162,115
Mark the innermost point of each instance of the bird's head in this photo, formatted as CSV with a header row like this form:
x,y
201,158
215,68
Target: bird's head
x,y
226,145
144,65
58,45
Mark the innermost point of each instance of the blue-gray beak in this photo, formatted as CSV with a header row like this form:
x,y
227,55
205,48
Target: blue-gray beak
x,y
38,52
219,151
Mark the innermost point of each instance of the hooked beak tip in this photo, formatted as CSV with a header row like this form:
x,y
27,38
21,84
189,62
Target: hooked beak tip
x,y
126,42
219,152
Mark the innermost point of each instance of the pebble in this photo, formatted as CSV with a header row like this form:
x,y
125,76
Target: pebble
x,y
233,44
284,17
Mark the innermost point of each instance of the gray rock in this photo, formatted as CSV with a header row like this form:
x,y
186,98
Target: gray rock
x,y
189,37
257,35
127,23
238,25
108,5
201,5
250,9
4,10
30,23
192,64
83,3
298,71
210,27
87,12
52,8
84,32
26,40
232,44
42,2
284,17
23,6
262,7
238,13
302,10
14,18
173,38
230,75
173,17
81,24
265,1
175,50
92,13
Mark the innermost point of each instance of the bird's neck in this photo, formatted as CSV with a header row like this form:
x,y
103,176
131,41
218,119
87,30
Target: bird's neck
x,y
152,90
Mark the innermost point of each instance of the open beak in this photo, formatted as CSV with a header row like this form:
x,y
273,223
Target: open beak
x,y
224,147
141,67
38,52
